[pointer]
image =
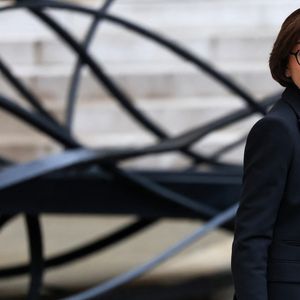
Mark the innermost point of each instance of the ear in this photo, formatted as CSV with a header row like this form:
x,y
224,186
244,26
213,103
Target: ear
x,y
287,72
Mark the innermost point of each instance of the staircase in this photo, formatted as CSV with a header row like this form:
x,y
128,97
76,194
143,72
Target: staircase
x,y
234,36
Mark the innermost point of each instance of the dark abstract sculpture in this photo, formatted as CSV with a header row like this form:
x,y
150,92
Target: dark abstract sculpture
x,y
45,183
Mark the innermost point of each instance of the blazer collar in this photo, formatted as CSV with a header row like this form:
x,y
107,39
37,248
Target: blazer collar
x,y
291,95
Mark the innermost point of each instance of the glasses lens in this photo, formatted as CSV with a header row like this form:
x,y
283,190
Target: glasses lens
x,y
298,57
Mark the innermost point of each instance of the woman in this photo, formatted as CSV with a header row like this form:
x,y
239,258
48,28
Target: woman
x,y
265,259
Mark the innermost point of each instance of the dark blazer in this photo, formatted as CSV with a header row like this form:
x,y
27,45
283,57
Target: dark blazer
x,y
266,245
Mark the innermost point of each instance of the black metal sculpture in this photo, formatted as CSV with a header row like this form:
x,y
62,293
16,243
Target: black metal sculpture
x,y
44,182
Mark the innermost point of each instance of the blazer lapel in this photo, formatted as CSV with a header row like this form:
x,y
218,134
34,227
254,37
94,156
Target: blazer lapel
x,y
291,95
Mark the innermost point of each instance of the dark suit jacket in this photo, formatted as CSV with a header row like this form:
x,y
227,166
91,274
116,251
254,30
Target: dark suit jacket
x,y
266,244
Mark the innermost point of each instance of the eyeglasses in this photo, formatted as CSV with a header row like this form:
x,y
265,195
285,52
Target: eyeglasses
x,y
297,55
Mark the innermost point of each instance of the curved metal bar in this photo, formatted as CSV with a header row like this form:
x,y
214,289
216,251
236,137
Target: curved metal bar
x,y
38,122
226,148
222,150
117,281
4,162
75,81
78,157
4,219
27,94
31,170
191,136
165,193
83,251
36,256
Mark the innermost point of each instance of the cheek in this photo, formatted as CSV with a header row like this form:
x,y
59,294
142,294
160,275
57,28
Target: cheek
x,y
295,74
295,69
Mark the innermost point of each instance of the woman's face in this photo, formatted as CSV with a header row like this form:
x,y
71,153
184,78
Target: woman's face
x,y
293,68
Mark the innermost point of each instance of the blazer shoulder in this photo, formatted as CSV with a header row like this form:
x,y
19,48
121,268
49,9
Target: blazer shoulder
x,y
281,110
272,129
274,123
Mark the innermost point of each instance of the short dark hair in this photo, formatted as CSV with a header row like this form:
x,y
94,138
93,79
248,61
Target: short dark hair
x,y
287,38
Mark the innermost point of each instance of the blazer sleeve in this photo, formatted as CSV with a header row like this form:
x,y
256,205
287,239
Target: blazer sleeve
x,y
267,157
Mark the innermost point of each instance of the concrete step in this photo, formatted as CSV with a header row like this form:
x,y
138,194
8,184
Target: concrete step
x,y
166,14
118,46
123,47
205,13
147,80
235,31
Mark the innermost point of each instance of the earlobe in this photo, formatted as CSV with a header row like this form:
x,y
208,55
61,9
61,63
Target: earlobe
x,y
287,72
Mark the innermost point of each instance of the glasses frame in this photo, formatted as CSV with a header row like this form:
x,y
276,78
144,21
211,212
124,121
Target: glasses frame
x,y
296,54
